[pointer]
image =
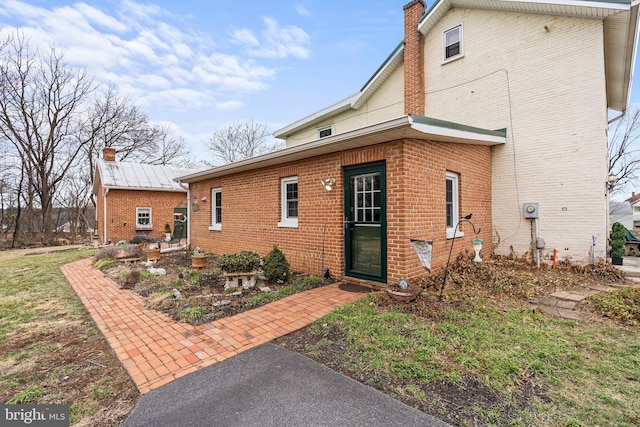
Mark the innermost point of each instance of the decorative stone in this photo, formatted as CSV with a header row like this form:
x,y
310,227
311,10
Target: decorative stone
x,y
221,303
264,289
157,271
176,294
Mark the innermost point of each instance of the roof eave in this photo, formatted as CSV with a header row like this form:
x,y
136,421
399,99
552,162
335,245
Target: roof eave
x,y
414,127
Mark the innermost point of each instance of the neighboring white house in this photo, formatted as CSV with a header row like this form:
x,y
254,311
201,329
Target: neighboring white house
x,y
622,212
547,71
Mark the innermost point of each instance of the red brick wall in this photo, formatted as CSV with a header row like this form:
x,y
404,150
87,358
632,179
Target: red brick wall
x,y
121,212
416,173
414,96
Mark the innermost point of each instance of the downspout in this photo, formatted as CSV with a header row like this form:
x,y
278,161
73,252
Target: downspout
x,y
105,191
186,187
615,119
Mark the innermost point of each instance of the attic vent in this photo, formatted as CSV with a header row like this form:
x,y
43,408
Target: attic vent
x,y
325,131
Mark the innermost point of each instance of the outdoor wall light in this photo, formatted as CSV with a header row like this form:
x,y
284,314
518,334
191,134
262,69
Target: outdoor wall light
x,y
611,182
328,183
204,199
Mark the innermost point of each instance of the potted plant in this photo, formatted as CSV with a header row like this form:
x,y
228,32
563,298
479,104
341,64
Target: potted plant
x,y
152,252
167,232
617,240
240,269
403,294
198,258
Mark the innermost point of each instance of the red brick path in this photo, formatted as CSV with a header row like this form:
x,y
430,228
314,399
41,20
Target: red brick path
x,y
155,349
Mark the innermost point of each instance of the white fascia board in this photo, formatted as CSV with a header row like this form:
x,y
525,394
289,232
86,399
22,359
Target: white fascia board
x,y
167,190
457,134
336,108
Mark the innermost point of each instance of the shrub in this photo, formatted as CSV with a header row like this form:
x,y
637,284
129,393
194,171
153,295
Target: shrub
x,y
242,262
132,251
618,239
312,281
107,252
276,266
142,238
104,263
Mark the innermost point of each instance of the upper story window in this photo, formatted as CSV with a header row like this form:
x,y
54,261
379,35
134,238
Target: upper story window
x,y
216,209
325,131
143,219
289,202
452,204
452,44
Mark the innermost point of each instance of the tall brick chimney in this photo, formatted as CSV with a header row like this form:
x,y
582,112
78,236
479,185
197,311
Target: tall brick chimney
x,y
413,59
109,154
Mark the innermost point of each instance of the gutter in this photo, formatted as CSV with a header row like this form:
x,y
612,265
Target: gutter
x,y
105,191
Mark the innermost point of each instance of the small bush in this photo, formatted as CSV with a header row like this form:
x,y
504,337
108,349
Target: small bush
x,y
132,278
132,251
312,282
276,266
142,238
618,239
242,262
107,252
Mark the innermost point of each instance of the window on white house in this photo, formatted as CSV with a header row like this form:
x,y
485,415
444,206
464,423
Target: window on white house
x,y
289,202
452,44
452,207
636,209
325,131
216,209
143,219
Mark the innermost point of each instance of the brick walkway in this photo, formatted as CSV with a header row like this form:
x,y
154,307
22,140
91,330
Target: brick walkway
x,y
155,349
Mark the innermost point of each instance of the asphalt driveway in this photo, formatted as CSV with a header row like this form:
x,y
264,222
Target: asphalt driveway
x,y
271,386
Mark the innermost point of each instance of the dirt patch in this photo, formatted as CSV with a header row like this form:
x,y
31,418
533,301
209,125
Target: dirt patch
x,y
76,365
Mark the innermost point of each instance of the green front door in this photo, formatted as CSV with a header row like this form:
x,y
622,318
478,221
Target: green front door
x,y
365,219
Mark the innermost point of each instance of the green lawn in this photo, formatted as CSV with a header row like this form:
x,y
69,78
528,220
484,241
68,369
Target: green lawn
x,y
481,365
50,351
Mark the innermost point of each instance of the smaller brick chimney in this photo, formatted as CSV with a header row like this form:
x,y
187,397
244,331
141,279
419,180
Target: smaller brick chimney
x,y
109,154
413,59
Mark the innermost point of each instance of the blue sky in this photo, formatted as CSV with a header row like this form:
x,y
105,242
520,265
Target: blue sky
x,y
199,65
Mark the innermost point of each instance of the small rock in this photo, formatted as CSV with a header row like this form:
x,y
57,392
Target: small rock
x,y
236,294
150,263
264,289
221,303
176,294
180,275
158,271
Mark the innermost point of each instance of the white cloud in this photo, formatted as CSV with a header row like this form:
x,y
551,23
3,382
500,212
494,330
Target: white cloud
x,y
149,56
302,10
274,41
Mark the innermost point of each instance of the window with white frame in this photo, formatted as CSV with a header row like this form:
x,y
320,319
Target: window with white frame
x,y
216,209
289,202
452,207
143,219
325,131
452,44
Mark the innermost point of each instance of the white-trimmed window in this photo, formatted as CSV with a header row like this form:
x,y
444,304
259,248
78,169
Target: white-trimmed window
x,y
452,44
452,206
143,219
216,209
289,202
325,131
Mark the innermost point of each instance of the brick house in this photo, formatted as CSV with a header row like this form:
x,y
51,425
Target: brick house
x,y
484,108
135,199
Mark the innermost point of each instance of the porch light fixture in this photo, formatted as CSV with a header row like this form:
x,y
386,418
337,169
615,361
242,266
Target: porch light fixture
x,y
611,182
328,183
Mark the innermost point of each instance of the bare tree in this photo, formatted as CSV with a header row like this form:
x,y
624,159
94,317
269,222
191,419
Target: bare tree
x,y
239,141
624,150
42,112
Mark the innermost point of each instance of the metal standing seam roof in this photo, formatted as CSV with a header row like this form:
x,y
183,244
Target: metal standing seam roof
x,y
136,176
